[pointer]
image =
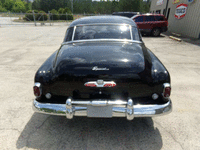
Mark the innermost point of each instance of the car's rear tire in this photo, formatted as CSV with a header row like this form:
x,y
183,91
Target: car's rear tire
x,y
155,32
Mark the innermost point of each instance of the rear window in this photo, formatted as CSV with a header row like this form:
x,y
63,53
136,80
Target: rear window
x,y
68,36
102,32
138,19
159,18
149,18
136,34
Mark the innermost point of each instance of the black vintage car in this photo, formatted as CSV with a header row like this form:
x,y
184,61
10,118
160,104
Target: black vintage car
x,y
102,69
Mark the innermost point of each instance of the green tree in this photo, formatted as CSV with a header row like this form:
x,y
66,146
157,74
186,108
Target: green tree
x,y
54,15
2,9
28,5
115,6
36,5
19,6
8,4
64,10
130,5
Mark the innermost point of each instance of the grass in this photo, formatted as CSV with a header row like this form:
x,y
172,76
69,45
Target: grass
x,y
47,21
11,15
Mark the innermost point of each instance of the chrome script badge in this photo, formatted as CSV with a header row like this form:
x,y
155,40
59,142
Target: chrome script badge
x,y
95,68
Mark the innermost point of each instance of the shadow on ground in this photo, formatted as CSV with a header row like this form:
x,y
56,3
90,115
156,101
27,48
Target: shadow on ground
x,y
56,132
148,35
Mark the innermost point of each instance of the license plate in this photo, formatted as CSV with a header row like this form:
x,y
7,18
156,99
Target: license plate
x,y
99,111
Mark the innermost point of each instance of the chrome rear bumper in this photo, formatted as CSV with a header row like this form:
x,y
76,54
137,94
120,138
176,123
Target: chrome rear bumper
x,y
102,108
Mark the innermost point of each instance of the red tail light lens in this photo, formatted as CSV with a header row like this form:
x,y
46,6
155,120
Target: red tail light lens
x,y
109,85
90,84
167,90
37,90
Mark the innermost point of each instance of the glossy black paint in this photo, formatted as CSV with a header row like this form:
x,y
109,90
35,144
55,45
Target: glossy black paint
x,y
137,72
103,19
130,65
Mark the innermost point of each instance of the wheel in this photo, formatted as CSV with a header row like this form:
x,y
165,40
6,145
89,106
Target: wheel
x,y
155,32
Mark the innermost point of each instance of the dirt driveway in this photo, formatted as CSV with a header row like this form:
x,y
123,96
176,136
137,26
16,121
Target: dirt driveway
x,y
24,49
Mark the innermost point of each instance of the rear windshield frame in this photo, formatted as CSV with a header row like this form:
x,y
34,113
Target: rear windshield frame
x,y
105,24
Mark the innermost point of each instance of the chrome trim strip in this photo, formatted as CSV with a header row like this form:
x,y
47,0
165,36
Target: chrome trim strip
x,y
166,85
73,33
131,32
120,108
102,40
103,24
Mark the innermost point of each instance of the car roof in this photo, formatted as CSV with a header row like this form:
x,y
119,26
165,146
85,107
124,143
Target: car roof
x,y
149,14
103,19
125,12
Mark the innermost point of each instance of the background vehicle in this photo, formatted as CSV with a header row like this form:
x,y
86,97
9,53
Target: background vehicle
x,y
126,14
103,69
153,24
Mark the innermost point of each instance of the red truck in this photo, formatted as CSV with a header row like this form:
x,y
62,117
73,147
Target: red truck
x,y
153,24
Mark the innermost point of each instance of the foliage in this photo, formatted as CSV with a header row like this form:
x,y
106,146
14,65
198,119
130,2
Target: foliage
x,y
29,16
64,11
8,4
54,15
66,14
145,7
61,11
36,5
28,6
2,9
79,6
19,6
70,17
47,5
42,16
130,5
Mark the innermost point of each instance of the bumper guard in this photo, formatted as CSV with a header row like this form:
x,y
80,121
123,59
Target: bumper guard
x,y
102,108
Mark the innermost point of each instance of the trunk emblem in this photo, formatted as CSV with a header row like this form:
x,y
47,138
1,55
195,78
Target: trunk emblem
x,y
95,68
100,83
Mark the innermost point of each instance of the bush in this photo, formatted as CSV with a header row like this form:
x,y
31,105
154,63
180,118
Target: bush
x,y
67,10
70,17
54,15
66,17
63,11
29,16
42,16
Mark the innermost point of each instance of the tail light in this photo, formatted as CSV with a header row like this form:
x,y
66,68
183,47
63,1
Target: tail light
x,y
166,90
37,89
109,85
90,84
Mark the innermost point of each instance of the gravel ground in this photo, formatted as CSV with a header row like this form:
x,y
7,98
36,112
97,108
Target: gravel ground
x,y
24,49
